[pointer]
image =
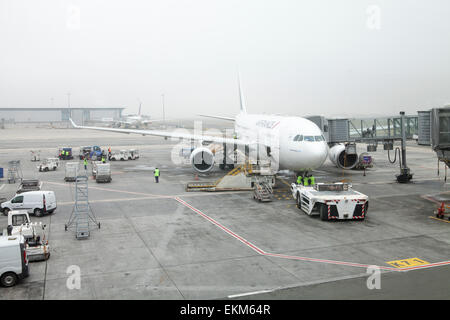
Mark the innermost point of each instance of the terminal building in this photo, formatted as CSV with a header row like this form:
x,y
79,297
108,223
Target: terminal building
x,y
55,115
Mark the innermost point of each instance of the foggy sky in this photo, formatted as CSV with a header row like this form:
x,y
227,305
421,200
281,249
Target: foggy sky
x,y
295,57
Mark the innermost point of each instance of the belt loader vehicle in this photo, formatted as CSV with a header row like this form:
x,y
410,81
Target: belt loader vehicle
x,y
331,201
29,185
13,260
36,246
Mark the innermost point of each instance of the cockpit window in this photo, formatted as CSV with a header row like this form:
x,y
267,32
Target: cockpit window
x,y
298,137
319,138
309,138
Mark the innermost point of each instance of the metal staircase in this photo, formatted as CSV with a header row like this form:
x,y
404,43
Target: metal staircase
x,y
82,219
263,191
14,171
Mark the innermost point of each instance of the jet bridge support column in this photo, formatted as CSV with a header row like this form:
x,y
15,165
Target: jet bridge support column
x,y
405,175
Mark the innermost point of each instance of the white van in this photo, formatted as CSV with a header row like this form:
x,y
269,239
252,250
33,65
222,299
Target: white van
x,y
35,202
13,260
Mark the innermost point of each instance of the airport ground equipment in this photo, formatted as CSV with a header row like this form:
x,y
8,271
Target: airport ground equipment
x,y
14,260
133,154
102,172
47,165
35,155
440,212
242,177
29,185
94,167
263,191
82,219
331,201
36,244
90,152
14,171
71,171
65,153
440,133
122,155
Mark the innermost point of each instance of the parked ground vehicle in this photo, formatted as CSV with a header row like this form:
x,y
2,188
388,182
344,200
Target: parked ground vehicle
x,y
122,155
71,171
19,223
331,201
35,155
133,154
65,154
13,260
34,202
84,152
29,185
47,165
102,172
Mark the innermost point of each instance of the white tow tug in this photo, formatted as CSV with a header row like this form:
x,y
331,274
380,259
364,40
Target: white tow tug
x,y
331,201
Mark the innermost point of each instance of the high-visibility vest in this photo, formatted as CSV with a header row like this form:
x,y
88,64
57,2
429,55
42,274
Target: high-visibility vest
x,y
156,172
85,162
306,182
299,180
103,159
313,180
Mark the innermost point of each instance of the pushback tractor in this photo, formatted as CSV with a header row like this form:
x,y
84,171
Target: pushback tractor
x,y
331,201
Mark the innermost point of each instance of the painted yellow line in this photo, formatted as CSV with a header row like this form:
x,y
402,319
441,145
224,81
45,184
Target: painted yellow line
x,y
406,263
441,220
285,182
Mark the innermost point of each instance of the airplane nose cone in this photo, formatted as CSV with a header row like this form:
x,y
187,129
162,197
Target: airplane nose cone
x,y
317,154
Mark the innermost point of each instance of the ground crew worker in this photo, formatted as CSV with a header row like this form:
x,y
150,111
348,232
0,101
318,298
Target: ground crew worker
x,y
109,153
306,181
156,175
85,163
103,158
312,180
299,180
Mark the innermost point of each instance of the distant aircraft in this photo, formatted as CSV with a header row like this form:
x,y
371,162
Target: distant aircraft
x,y
294,143
132,120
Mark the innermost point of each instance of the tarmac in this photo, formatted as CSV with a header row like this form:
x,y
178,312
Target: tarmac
x,y
158,241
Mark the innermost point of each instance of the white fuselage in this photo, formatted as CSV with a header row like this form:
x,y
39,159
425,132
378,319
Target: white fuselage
x,y
296,143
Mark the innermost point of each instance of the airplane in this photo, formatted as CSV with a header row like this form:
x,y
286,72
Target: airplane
x,y
132,120
294,143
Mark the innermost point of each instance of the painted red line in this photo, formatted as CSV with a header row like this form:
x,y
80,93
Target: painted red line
x,y
351,264
277,255
248,243
262,252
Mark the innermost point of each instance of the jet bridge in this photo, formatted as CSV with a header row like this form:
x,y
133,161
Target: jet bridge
x,y
440,133
343,134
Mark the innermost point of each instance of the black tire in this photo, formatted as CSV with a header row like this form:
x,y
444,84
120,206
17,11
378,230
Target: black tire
x,y
45,169
323,212
54,168
6,211
51,211
38,212
298,201
8,279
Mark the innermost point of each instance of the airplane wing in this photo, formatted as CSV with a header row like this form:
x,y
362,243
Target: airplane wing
x,y
153,120
217,117
177,135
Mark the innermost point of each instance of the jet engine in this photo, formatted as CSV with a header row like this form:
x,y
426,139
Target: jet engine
x,y
202,159
338,155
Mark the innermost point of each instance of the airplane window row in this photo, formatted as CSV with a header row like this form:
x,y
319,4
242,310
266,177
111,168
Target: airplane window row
x,y
300,137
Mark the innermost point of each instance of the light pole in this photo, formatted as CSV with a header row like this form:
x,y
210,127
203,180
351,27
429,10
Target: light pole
x,y
164,113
